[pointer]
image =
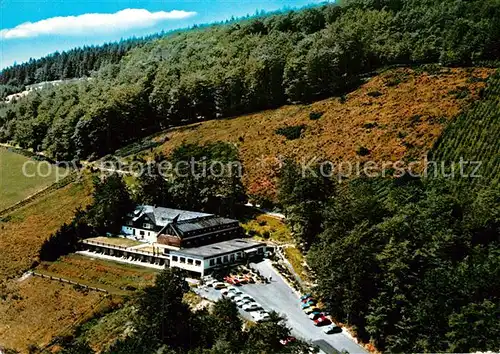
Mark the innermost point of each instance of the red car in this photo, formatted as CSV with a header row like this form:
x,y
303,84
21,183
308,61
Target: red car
x,y
322,321
288,340
231,280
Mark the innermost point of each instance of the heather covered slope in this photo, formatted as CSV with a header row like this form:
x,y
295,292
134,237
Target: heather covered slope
x,y
397,115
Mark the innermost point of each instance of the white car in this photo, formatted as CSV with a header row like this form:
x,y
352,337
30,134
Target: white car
x,y
243,297
260,316
231,295
252,306
234,290
242,303
224,292
333,328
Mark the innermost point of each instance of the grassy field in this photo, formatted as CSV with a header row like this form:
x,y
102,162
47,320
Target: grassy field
x,y
115,277
14,185
23,231
35,310
396,115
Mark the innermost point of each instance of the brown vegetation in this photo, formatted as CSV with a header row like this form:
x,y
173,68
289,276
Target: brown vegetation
x,y
35,310
396,115
23,231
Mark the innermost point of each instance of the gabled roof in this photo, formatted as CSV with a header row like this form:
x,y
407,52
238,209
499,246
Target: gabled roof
x,y
163,216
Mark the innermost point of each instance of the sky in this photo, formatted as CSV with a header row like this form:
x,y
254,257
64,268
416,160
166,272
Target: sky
x,y
34,28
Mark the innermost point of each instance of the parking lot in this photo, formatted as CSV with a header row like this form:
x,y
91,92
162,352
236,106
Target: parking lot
x,y
279,297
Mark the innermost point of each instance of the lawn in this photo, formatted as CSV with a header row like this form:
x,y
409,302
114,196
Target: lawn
x,y
16,185
115,277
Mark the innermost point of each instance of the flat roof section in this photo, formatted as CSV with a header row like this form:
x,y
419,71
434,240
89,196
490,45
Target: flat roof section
x,y
220,248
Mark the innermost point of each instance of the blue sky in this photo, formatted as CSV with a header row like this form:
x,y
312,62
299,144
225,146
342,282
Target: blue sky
x,y
34,28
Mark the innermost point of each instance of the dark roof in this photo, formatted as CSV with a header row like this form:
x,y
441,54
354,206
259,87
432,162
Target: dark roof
x,y
202,223
220,248
325,347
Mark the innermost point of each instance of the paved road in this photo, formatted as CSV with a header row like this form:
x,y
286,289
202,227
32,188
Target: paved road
x,y
280,297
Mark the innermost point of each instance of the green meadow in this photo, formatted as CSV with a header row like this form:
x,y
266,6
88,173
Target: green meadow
x,y
16,183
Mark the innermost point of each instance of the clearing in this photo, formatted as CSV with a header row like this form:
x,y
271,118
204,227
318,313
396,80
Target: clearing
x,y
15,185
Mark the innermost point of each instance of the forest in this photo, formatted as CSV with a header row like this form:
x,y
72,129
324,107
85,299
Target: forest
x,y
412,265
138,88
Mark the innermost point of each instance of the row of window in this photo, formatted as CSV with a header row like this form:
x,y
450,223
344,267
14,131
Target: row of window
x,y
190,261
226,259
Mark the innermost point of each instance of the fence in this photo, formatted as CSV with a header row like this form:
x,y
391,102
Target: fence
x,y
62,280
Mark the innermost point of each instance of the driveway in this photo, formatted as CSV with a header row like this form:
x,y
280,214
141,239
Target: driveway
x,y
279,296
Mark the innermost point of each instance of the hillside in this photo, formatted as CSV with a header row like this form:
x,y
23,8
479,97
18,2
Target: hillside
x,y
397,115
17,183
244,67
474,136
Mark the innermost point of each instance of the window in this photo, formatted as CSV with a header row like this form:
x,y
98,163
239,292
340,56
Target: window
x,y
147,226
198,263
219,260
226,259
182,260
231,257
142,233
212,262
175,258
130,223
190,261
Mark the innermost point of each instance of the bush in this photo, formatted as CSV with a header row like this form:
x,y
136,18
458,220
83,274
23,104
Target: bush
x,y
374,93
362,151
369,125
291,132
315,115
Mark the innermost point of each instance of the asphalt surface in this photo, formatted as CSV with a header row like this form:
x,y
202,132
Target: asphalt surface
x,y
280,297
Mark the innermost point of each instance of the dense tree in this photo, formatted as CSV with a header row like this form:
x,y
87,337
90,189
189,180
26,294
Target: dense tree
x,y
228,69
412,265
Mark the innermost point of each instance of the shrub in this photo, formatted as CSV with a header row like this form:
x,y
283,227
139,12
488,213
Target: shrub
x,y
362,151
315,115
369,125
291,132
374,93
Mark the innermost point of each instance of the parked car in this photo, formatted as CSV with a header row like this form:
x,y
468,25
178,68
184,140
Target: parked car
x,y
333,328
322,321
234,290
287,340
309,301
224,292
251,306
219,286
260,316
305,296
314,315
305,306
310,310
243,302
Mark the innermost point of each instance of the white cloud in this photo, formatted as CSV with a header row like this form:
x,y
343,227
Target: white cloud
x,y
93,23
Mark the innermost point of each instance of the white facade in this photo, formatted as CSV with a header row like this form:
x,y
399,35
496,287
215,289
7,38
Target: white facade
x,y
145,235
